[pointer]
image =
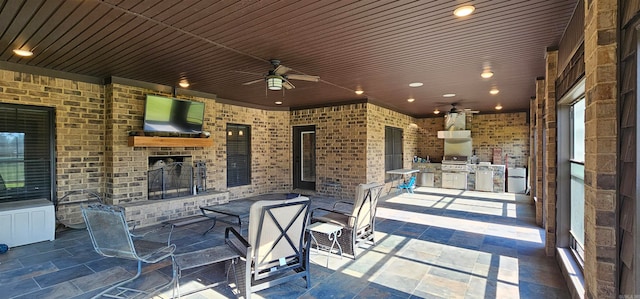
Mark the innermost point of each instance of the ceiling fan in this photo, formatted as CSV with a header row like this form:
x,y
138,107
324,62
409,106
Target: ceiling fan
x,y
277,78
455,109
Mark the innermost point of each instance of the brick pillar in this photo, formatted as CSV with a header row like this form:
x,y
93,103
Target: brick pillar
x,y
536,152
600,148
549,156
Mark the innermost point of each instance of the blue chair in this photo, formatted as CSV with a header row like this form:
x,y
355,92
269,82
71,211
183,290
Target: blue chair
x,y
409,186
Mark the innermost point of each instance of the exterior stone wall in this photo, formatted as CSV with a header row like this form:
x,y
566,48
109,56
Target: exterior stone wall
x,y
80,125
507,131
601,237
341,144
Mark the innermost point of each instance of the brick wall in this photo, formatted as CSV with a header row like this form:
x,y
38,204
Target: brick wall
x,y
601,87
428,142
377,119
341,140
270,149
80,125
126,167
506,131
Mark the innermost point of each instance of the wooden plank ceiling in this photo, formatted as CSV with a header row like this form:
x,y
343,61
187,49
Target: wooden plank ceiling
x,y
377,46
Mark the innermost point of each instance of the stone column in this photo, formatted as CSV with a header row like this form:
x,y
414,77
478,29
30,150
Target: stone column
x,y
536,145
549,148
600,148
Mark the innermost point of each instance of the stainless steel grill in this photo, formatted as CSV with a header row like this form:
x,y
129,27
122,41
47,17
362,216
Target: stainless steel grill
x,y
455,164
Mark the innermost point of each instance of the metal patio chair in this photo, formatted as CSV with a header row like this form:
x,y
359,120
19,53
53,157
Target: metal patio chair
x,y
356,218
111,237
276,250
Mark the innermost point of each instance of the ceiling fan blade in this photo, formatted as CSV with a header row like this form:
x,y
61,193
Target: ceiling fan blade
x,y
303,77
280,69
286,84
252,82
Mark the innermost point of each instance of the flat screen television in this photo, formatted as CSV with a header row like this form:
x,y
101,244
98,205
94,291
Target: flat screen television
x,y
163,114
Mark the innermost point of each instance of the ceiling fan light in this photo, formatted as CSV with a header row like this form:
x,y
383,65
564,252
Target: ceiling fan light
x,y
498,107
184,83
494,91
359,92
274,83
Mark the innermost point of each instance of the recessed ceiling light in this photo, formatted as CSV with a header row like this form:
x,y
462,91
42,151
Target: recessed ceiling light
x,y
359,92
23,53
494,91
436,111
410,100
278,102
498,107
449,95
486,74
464,11
184,83
416,84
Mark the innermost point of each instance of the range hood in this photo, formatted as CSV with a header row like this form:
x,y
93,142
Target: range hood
x,y
454,125
458,134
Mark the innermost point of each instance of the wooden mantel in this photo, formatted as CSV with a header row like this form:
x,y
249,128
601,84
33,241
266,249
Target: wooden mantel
x,y
155,141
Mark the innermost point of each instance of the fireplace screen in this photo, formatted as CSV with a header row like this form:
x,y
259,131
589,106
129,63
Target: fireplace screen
x,y
169,179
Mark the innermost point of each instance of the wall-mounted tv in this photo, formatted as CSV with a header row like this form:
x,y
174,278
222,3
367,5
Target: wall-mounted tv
x,y
163,114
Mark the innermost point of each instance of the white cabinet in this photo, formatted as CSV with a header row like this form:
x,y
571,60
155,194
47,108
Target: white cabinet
x,y
26,222
484,180
454,180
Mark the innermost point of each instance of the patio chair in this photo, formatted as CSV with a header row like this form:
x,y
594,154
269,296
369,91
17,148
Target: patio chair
x,y
409,186
275,250
111,237
358,222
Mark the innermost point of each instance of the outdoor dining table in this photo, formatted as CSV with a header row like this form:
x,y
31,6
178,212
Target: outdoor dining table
x,y
236,212
233,212
401,174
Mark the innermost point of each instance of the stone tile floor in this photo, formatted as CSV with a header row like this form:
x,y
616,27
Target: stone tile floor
x,y
435,243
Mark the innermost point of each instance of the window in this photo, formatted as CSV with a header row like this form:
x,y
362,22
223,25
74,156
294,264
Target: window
x,y
392,148
238,155
576,232
26,152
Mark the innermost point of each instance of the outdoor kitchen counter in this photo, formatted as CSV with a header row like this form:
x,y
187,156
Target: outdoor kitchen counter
x,y
436,169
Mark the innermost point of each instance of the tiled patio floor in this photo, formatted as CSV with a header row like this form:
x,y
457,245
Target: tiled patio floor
x,y
435,243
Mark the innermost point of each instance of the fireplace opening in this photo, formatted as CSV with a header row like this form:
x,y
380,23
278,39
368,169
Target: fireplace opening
x,y
170,177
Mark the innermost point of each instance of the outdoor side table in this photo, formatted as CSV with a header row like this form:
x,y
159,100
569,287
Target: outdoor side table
x,y
331,231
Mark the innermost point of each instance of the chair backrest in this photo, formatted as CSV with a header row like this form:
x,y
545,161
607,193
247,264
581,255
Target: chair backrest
x,y
276,231
412,182
109,231
364,208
